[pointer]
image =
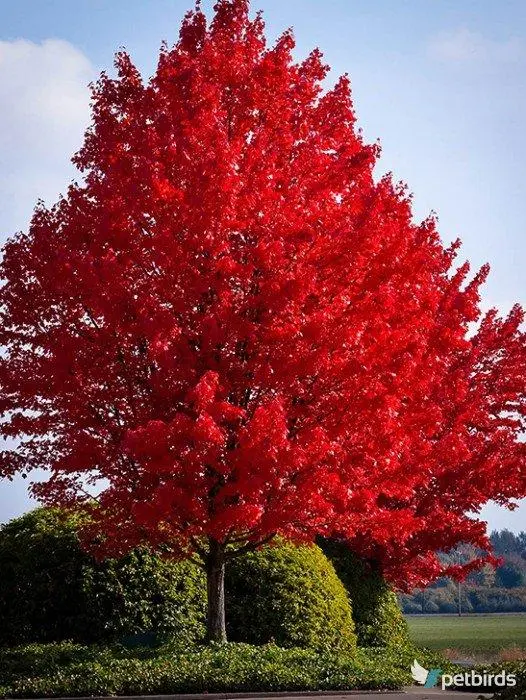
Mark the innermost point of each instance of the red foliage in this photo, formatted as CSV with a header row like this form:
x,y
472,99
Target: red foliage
x,y
231,329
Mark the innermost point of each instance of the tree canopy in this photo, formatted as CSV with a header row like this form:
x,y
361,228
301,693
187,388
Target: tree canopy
x,y
228,329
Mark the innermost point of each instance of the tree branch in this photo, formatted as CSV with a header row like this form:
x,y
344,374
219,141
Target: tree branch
x,y
249,547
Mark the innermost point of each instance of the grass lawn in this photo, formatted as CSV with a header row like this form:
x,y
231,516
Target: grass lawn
x,y
487,634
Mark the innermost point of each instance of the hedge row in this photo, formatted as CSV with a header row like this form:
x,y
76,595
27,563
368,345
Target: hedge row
x,y
51,590
72,670
517,692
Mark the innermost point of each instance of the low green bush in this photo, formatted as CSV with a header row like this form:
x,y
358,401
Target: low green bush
x,y
83,671
377,615
42,660
516,692
290,595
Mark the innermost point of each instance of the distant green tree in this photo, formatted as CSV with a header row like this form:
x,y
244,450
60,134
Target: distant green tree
x,y
506,542
485,577
509,575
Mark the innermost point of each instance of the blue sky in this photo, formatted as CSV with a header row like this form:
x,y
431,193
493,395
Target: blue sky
x,y
441,83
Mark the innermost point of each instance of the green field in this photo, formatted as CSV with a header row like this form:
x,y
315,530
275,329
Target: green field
x,y
475,633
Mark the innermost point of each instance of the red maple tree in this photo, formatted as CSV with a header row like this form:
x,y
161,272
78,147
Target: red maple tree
x,y
229,330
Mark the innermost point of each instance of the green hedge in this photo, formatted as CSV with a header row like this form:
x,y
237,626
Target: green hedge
x,y
516,692
51,590
61,670
377,615
290,595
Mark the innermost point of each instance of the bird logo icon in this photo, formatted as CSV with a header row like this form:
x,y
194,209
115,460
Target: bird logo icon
x,y
424,677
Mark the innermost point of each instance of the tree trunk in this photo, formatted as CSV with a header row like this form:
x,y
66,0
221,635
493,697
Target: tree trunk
x,y
215,588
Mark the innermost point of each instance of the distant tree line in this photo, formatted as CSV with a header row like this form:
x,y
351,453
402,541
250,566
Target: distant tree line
x,y
501,589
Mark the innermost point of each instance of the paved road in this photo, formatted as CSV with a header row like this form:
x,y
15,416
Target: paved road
x,y
408,694
411,693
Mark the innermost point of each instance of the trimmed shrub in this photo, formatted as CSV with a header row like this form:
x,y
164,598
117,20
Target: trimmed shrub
x,y
377,615
144,596
516,692
290,595
227,668
51,590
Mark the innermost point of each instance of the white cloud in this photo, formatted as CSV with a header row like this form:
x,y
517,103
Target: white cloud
x,y
45,110
44,99
466,46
